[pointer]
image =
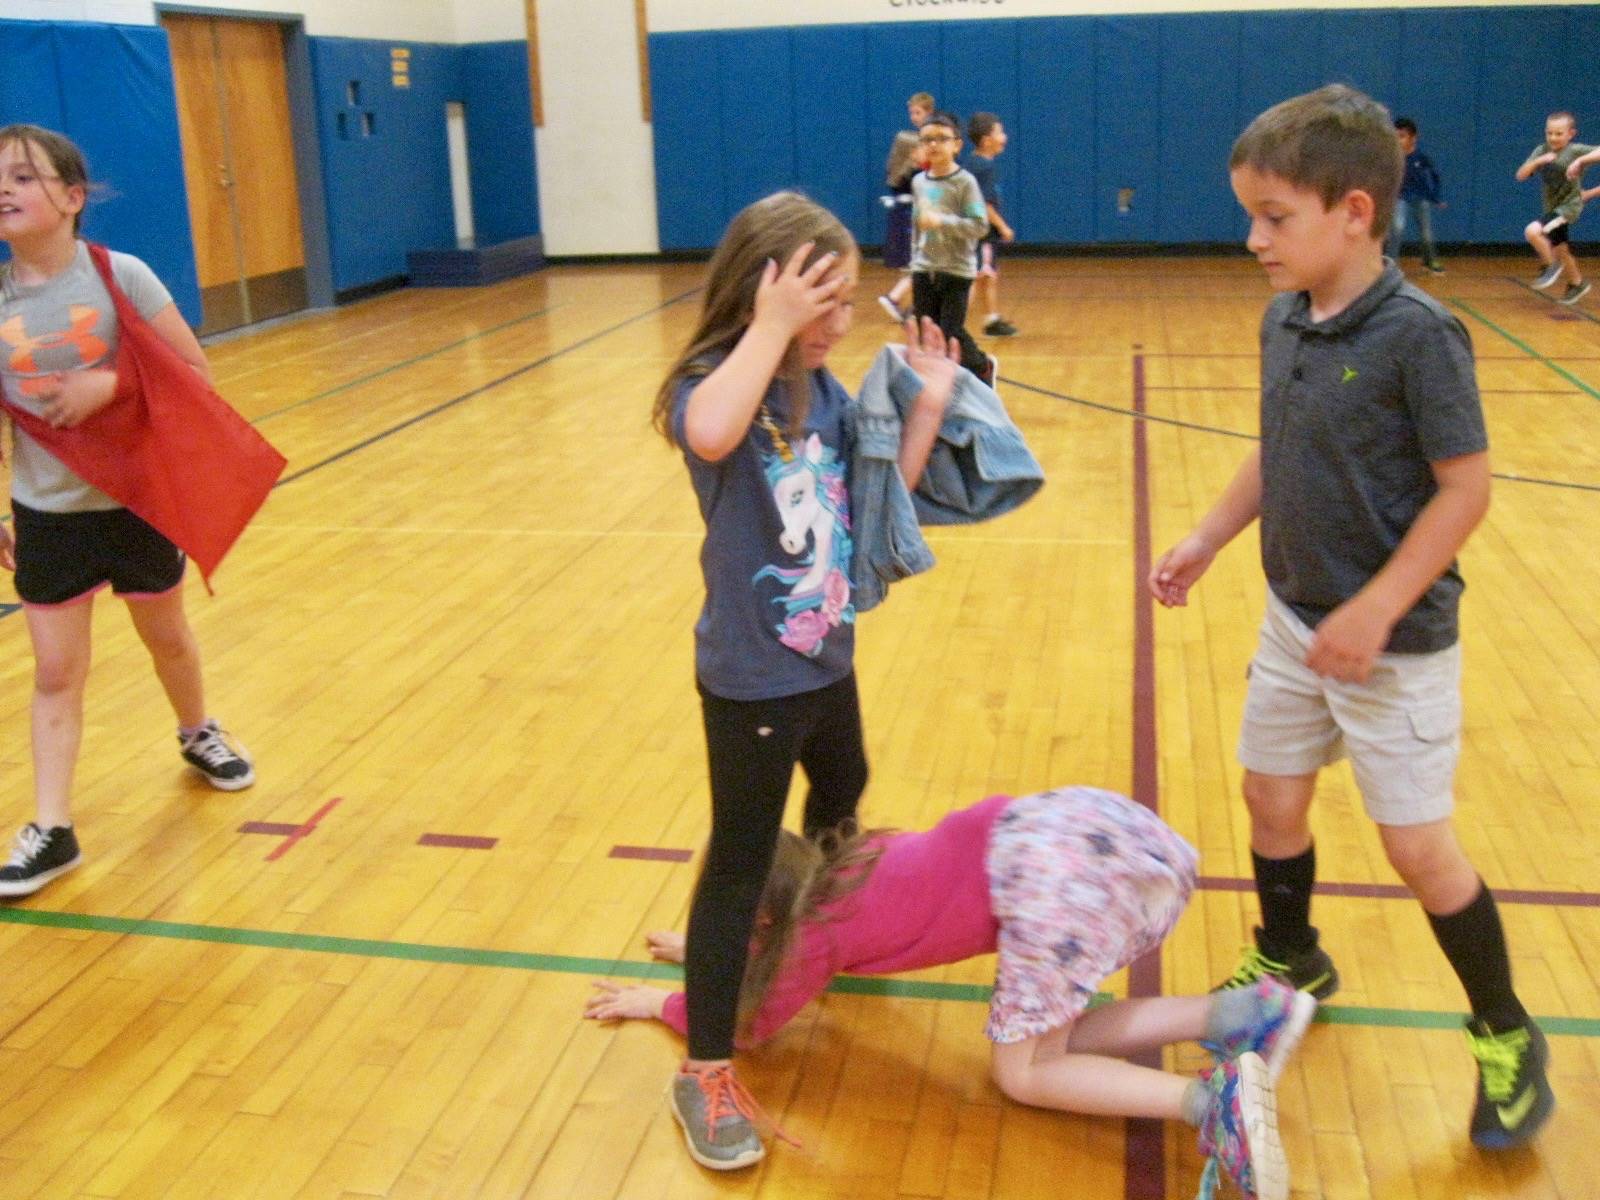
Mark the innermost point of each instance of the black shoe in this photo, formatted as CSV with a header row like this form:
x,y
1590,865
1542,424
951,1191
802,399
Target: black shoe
x,y
1436,268
1309,971
1575,292
1514,1096
38,857
999,327
224,763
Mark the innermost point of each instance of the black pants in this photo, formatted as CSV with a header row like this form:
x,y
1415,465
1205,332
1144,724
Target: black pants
x,y
944,298
753,746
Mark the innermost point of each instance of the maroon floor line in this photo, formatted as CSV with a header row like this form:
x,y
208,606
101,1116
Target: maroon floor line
x,y
1144,1173
1393,891
652,853
457,841
275,828
301,831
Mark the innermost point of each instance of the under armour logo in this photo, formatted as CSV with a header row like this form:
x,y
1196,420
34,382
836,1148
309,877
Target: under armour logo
x,y
23,351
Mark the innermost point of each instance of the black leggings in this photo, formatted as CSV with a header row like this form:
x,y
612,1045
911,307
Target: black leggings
x,y
944,298
753,746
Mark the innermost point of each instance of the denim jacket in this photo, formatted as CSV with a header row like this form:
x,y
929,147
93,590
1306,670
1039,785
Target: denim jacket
x,y
980,467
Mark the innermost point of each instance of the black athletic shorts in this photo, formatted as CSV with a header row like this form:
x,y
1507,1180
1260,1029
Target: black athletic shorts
x,y
1555,228
64,557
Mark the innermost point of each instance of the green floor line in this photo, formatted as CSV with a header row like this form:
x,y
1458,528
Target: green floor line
x,y
849,985
1527,349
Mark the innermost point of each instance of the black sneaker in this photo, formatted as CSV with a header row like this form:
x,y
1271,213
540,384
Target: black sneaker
x,y
1575,292
1309,971
1435,268
37,857
1548,276
1514,1097
223,762
991,370
999,327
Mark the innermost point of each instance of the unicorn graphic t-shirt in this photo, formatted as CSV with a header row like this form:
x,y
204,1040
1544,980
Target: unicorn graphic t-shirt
x,y
778,618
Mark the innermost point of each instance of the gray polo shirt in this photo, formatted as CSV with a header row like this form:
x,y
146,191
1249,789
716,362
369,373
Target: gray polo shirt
x,y
1353,412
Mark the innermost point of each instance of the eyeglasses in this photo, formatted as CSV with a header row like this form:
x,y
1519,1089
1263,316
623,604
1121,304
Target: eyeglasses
x,y
928,139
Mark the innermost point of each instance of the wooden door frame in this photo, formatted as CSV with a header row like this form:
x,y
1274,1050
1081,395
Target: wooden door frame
x,y
303,133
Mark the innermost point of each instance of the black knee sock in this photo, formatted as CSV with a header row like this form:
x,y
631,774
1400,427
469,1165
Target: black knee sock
x,y
1475,943
1283,885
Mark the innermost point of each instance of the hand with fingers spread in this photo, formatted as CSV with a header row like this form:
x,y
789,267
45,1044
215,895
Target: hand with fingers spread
x,y
935,358
790,298
613,1001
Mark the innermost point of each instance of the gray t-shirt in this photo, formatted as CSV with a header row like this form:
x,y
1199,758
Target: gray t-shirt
x,y
66,323
949,247
1561,195
1354,410
778,618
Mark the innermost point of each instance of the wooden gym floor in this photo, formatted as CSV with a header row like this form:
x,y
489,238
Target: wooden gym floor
x,y
466,612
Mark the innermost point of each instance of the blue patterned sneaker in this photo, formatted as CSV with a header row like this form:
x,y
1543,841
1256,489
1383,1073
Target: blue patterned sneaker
x,y
1280,1019
1514,1096
1240,1132
718,1118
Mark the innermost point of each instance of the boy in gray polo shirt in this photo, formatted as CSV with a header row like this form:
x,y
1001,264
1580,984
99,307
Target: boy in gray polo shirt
x,y
1373,469
950,217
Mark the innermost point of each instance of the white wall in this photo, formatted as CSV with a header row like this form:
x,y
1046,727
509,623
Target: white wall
x,y
597,187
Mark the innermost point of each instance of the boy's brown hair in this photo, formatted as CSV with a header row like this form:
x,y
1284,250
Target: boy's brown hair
x,y
979,126
1332,141
922,100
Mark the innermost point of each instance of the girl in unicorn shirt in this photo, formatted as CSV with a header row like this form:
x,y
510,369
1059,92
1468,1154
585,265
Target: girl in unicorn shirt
x,y
761,423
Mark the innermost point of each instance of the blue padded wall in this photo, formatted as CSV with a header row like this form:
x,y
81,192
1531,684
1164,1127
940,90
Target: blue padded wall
x,y
1095,104
829,95
505,175
388,187
1053,197
124,117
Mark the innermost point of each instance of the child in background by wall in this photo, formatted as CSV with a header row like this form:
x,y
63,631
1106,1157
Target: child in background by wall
x,y
1067,887
988,138
1563,196
59,336
905,160
950,217
1420,193
761,423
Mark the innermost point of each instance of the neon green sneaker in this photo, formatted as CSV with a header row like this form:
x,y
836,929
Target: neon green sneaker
x,y
1514,1096
1311,971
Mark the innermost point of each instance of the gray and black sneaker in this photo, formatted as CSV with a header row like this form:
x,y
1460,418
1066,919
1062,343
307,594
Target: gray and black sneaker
x,y
224,762
1548,277
999,327
1574,293
718,1118
1435,268
37,857
1514,1096
1309,971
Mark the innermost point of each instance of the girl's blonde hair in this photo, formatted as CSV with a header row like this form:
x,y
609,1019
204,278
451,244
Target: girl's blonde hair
x,y
65,159
806,877
771,229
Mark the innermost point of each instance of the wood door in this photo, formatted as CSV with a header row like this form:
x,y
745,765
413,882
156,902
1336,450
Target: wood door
x,y
238,152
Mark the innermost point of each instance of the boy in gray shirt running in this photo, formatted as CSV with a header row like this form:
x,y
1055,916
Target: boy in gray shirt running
x,y
1373,469
1559,161
950,217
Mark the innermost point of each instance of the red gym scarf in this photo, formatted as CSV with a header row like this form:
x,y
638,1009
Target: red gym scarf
x,y
167,447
